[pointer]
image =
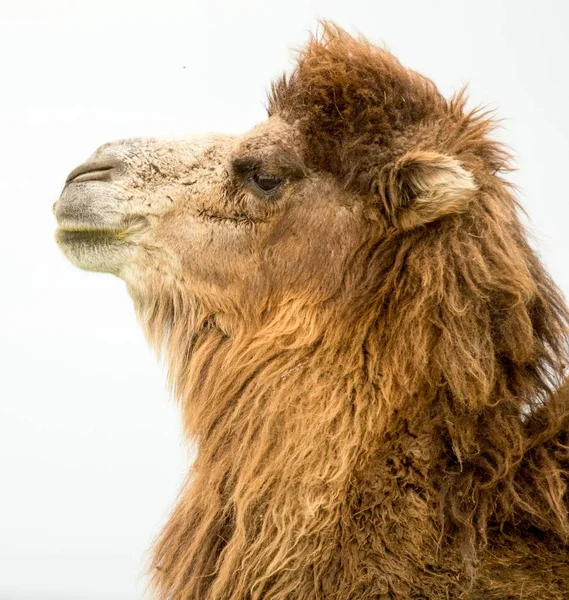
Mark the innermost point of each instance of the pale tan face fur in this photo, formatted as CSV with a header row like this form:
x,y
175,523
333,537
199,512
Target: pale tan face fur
x,y
185,215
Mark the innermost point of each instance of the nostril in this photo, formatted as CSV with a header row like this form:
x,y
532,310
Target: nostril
x,y
93,171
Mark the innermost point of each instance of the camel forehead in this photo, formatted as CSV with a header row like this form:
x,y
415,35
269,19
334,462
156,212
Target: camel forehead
x,y
272,132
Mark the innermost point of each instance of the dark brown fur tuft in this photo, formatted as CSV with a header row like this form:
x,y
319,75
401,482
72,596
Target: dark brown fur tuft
x,y
359,111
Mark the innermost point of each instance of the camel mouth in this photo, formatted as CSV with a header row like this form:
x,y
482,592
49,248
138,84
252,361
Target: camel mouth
x,y
98,248
72,232
65,235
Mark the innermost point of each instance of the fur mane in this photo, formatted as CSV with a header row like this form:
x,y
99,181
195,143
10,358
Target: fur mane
x,y
434,374
360,109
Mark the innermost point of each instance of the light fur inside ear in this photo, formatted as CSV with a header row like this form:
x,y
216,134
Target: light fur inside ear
x,y
425,186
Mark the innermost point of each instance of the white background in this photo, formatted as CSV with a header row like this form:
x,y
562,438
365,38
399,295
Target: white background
x,y
91,455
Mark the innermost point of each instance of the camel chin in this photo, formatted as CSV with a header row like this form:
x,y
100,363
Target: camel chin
x,y
94,244
94,250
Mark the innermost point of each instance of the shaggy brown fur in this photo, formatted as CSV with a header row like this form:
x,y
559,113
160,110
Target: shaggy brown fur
x,y
391,420
404,438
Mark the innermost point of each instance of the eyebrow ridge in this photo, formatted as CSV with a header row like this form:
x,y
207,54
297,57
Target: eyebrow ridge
x,y
287,166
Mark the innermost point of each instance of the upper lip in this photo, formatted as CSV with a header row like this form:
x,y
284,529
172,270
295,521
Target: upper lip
x,y
95,170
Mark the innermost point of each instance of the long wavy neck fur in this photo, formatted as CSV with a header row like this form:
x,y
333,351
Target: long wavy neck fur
x,y
402,399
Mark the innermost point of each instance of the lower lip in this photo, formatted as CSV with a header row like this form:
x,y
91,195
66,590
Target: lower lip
x,y
103,236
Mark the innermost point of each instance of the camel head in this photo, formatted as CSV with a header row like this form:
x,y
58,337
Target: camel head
x,y
226,221
356,149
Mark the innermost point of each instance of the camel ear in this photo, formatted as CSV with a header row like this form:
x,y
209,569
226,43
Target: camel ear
x,y
425,186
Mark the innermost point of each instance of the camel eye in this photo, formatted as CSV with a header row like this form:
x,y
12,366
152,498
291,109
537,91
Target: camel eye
x,y
266,183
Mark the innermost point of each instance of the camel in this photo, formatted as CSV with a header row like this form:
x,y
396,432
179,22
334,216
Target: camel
x,y
365,348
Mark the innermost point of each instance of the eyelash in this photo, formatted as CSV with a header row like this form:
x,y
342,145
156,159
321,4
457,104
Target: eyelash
x,y
264,182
